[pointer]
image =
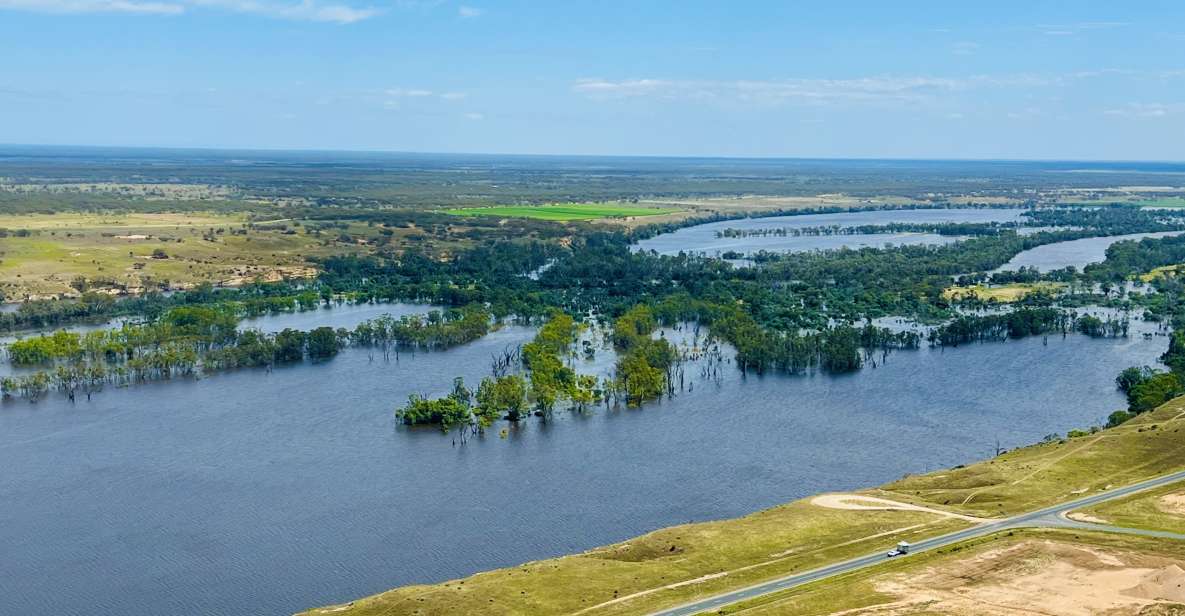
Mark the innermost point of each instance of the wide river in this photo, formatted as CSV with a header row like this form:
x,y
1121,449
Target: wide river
x,y
256,492
703,238
1078,253
264,493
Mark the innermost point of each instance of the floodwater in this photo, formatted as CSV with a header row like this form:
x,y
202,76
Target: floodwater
x,y
702,238
335,316
256,492
1078,253
348,316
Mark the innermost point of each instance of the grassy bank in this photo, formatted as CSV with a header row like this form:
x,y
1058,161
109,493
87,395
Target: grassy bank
x,y
665,567
1041,475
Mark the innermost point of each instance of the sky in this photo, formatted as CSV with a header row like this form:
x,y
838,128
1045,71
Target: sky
x,y
1077,80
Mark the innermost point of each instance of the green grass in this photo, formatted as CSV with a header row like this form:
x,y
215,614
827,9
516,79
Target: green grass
x,y
1153,202
1003,293
117,247
719,555
1042,475
1163,202
1144,510
565,211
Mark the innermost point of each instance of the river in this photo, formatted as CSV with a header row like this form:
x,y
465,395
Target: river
x,y
703,239
1078,253
255,492
252,492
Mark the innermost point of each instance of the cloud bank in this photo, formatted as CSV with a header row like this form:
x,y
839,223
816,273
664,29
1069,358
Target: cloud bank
x,y
304,10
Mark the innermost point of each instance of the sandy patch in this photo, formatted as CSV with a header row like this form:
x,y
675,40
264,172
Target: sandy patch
x,y
251,274
1086,517
1172,503
1036,577
1165,584
872,503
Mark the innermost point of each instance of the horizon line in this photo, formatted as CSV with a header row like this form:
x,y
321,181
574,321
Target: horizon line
x,y
569,155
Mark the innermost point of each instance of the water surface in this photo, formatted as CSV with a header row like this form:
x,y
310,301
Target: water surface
x,y
1078,253
702,238
265,493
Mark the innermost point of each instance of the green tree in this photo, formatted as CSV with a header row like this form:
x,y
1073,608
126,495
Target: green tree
x,y
495,396
323,343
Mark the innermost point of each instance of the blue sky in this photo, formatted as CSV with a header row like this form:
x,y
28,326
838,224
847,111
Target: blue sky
x,y
1045,80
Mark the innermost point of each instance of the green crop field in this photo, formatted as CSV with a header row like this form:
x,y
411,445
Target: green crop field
x,y
564,211
1163,202
1152,202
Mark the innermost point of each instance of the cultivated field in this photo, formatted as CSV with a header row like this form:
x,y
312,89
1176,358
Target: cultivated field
x,y
564,212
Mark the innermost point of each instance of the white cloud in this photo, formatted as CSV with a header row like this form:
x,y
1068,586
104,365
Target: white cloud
x,y
1024,114
1145,110
1080,27
303,10
469,12
394,98
860,90
422,93
475,116
62,7
873,90
964,48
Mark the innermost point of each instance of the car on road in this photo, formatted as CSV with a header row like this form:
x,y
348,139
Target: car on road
x,y
902,548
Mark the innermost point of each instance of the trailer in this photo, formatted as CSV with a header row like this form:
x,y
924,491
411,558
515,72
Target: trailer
x,y
902,548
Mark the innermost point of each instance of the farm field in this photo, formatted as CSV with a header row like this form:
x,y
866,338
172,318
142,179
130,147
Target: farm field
x,y
564,212
60,255
1171,202
1163,202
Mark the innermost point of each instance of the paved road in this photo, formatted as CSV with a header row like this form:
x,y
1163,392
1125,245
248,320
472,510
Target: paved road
x,y
1050,517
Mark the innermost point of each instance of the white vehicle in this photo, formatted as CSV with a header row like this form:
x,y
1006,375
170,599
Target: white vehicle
x,y
902,548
